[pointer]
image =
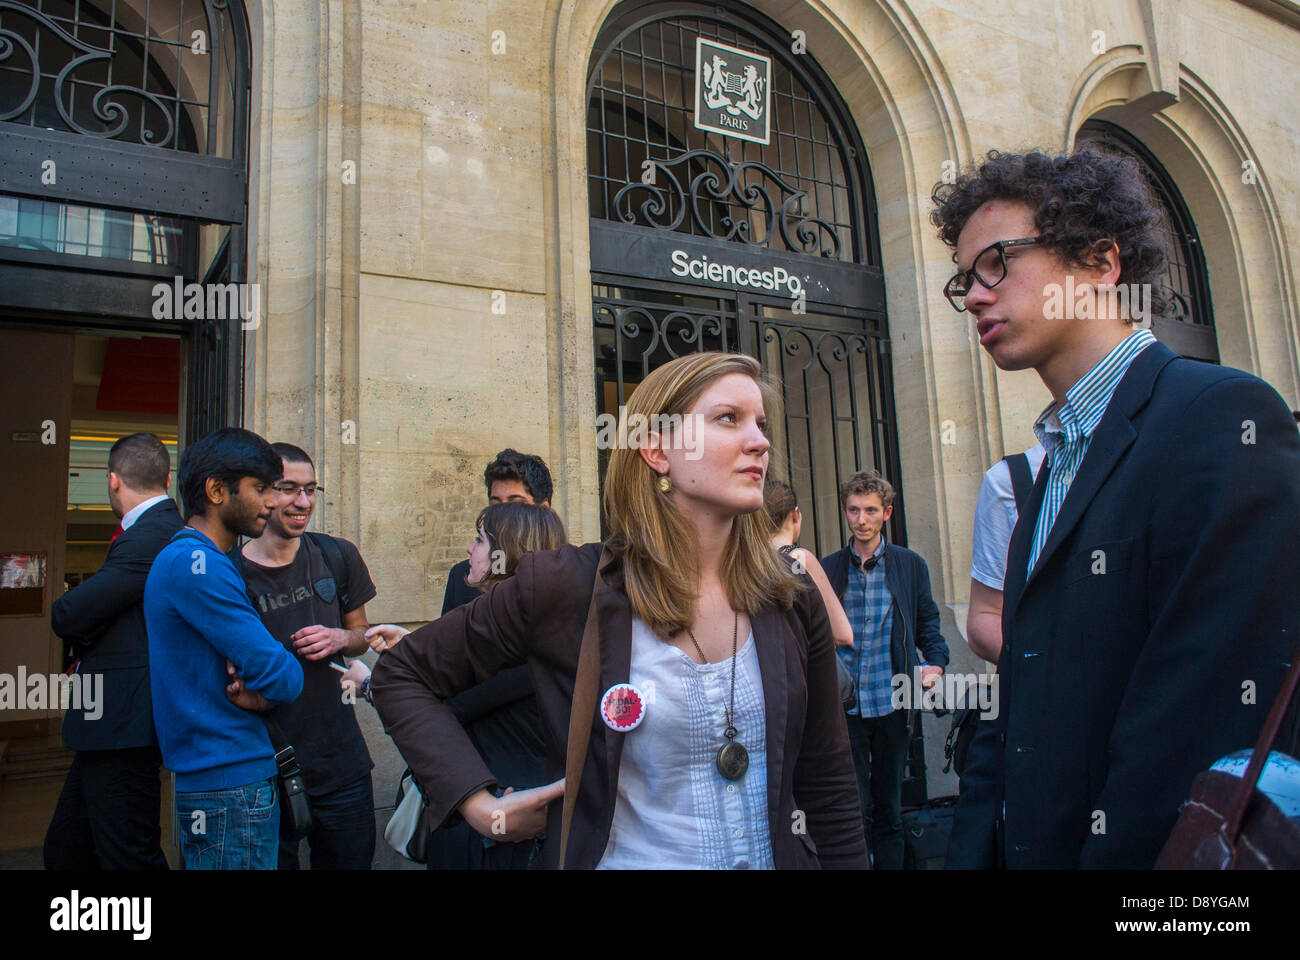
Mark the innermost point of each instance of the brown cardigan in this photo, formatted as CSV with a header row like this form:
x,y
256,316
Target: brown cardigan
x,y
537,617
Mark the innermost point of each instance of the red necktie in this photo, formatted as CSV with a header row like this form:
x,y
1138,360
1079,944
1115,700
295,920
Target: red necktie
x,y
116,533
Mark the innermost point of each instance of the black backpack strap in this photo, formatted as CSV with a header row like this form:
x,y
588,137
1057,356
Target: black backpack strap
x,y
337,567
1022,478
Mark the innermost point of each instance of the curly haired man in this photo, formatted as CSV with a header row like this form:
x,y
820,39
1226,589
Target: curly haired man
x,y
1148,613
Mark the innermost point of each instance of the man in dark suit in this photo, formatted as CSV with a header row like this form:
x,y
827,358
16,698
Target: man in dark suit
x,y
107,815
1149,611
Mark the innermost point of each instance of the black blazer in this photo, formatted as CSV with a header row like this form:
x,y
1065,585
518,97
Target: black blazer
x,y
103,619
537,617
1152,635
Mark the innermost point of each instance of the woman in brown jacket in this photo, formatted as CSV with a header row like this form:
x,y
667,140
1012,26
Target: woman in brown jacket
x,y
719,741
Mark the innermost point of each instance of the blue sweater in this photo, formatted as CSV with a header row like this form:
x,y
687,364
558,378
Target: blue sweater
x,y
198,617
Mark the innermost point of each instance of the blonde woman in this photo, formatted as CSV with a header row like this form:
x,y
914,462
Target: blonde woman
x,y
738,755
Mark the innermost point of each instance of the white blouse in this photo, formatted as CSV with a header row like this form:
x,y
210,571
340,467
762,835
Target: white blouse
x,y
674,810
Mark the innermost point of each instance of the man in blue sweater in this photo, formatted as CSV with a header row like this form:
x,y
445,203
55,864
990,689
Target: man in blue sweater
x,y
202,628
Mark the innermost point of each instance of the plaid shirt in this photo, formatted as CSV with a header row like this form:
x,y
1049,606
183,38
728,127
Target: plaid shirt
x,y
868,603
1065,433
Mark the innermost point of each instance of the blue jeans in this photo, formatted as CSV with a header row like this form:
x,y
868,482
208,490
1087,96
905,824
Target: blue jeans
x,y
235,829
342,835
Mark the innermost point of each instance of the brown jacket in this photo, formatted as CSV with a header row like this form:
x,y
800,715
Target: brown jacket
x,y
537,617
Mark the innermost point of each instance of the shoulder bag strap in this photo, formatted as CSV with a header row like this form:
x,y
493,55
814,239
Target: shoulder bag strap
x,y
1022,478
334,561
585,691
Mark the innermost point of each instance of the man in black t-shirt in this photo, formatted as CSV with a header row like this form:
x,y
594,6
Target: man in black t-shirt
x,y
311,593
510,477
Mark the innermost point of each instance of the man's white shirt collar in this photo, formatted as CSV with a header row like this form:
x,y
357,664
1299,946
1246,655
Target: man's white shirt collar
x,y
138,510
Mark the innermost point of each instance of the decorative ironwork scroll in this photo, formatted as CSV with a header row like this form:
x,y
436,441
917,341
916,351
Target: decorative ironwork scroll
x,y
734,186
133,85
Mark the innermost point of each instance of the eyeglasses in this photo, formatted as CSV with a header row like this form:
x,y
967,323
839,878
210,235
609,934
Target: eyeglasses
x,y
989,268
291,489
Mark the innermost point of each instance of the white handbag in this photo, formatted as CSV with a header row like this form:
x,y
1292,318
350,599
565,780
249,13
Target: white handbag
x,y
408,830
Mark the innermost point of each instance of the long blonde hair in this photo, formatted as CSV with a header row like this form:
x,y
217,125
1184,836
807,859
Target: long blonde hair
x,y
658,544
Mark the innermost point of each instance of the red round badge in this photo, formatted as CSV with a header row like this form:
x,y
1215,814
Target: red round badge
x,y
622,708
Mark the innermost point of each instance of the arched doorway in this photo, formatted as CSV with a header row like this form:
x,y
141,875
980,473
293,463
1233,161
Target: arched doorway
x,y
123,164
123,183
1188,329
739,215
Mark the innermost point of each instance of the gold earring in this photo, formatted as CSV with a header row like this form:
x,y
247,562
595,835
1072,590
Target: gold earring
x,y
664,483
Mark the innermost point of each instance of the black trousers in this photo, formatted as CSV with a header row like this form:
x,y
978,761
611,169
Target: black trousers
x,y
879,746
107,817
342,833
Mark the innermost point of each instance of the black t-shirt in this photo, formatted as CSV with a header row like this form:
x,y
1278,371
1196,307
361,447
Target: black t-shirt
x,y
321,727
458,592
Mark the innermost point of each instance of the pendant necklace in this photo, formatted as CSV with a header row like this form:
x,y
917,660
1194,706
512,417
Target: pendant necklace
x,y
733,759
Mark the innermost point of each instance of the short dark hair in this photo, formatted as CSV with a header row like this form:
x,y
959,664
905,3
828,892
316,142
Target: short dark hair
x,y
290,453
1078,199
528,469
226,455
142,461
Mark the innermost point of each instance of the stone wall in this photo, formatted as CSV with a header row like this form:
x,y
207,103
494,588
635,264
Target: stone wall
x,y
468,183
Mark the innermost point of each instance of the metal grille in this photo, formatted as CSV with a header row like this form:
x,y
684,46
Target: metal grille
x,y
837,393
149,72
833,373
807,192
794,194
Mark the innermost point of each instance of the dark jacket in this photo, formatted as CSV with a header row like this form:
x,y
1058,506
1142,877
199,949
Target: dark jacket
x,y
916,616
537,617
1152,635
103,619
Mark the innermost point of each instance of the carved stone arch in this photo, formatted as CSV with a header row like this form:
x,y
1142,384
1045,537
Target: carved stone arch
x,y
1226,189
906,112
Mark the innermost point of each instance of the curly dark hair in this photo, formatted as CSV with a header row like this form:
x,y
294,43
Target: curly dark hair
x,y
1080,201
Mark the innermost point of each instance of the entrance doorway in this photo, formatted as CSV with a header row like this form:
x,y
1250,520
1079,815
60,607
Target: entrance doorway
x,y
65,397
761,241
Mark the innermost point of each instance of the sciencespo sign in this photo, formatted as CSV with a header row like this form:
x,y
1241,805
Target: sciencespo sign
x,y
777,279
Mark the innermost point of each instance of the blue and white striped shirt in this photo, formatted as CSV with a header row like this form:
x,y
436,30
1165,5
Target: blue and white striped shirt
x,y
868,603
1066,433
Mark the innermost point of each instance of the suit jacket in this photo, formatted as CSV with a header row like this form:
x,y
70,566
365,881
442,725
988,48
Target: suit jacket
x,y
1152,635
916,615
103,619
537,617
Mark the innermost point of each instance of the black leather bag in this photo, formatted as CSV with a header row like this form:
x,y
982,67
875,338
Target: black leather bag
x,y
926,830
295,806
960,735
